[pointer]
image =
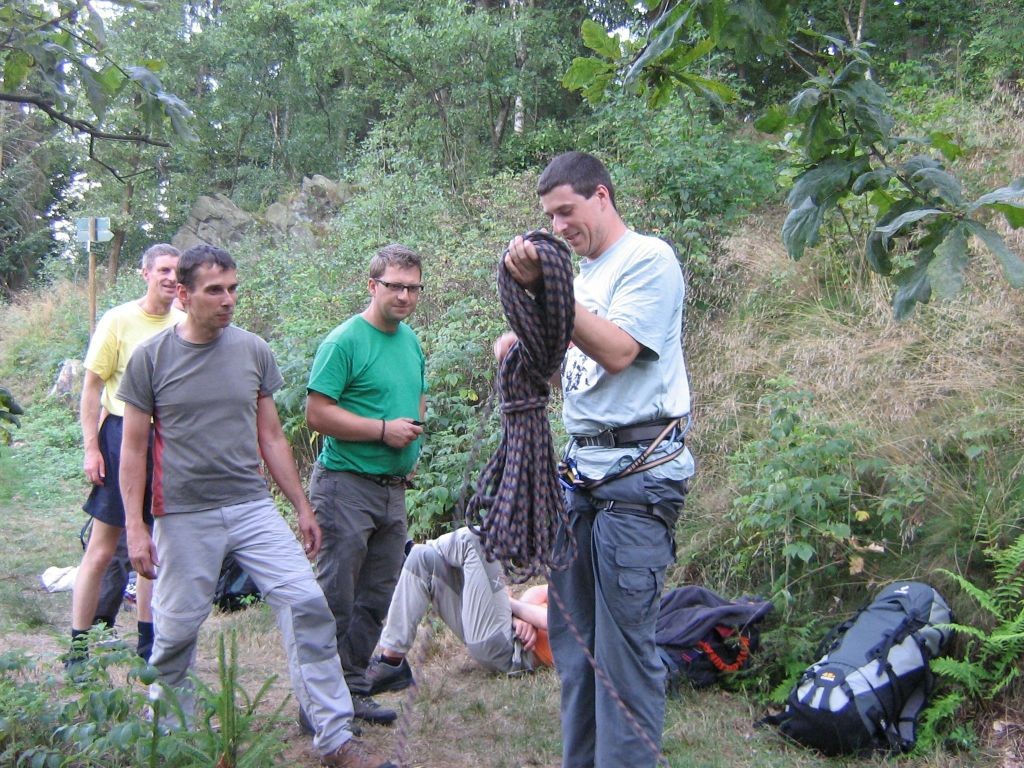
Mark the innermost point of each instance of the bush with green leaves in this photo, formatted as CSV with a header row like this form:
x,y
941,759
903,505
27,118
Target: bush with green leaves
x,y
843,131
9,413
810,502
98,715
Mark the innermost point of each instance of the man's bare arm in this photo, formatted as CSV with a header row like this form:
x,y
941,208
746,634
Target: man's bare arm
x,y
279,460
532,613
134,446
603,341
89,416
324,415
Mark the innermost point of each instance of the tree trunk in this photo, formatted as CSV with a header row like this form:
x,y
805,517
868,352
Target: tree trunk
x,y
120,233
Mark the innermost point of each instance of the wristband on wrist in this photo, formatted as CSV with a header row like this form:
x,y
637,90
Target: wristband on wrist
x,y
383,424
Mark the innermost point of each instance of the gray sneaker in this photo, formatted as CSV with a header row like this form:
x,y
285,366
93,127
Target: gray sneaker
x,y
384,677
369,711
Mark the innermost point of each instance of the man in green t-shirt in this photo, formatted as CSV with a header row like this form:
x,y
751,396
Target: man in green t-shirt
x,y
366,395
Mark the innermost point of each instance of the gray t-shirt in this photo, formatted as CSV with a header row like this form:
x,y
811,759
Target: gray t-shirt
x,y
203,401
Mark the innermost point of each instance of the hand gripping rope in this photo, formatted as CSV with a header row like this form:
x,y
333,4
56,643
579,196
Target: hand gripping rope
x,y
518,504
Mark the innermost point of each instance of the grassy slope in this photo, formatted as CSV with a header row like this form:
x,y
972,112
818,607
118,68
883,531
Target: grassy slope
x,y
462,717
918,384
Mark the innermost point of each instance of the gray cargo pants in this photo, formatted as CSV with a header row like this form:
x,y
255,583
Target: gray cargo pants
x,y
191,547
610,594
452,574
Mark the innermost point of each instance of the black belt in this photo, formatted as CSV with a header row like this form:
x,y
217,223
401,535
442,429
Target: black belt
x,y
631,434
385,481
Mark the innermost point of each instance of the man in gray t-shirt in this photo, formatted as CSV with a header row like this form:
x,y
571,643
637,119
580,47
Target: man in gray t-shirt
x,y
207,386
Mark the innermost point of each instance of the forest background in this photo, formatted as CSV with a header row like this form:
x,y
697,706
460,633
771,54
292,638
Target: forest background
x,y
841,181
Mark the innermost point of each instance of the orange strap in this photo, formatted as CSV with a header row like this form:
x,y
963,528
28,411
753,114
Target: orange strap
x,y
719,663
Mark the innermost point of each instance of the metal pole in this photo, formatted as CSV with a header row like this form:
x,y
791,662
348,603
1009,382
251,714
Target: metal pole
x,y
92,276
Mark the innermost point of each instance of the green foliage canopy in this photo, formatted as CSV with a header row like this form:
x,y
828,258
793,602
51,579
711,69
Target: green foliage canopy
x,y
53,58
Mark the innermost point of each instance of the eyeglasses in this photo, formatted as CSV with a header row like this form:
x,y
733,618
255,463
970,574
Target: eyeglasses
x,y
414,290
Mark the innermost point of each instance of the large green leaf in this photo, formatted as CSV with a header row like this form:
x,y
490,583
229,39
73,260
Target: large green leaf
x,y
683,56
942,183
800,229
595,92
913,287
96,29
773,120
582,71
179,114
819,132
94,91
877,250
918,162
597,39
663,37
1007,200
801,104
16,69
146,78
827,180
889,230
945,144
750,28
868,104
872,180
111,79
946,270
1012,264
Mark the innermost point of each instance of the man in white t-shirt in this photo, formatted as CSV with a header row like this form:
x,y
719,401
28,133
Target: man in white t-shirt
x,y
624,390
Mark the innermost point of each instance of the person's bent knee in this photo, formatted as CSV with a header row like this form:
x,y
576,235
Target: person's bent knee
x,y
423,561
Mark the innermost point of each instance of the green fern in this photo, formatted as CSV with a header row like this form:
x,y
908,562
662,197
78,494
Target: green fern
x,y
940,713
991,656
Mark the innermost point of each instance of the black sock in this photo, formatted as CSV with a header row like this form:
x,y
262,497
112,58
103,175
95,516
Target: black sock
x,y
105,621
145,647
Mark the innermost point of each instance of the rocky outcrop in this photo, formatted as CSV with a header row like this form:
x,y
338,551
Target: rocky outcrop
x,y
216,221
299,217
67,386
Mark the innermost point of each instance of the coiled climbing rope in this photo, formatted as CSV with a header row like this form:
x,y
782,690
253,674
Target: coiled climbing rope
x,y
518,504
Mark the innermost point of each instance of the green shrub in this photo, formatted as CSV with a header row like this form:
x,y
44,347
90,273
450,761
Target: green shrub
x,y
809,505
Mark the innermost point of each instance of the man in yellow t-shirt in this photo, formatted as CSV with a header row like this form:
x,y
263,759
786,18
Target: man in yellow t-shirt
x,y
117,334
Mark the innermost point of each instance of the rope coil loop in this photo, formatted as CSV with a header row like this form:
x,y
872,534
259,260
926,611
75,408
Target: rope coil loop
x,y
518,505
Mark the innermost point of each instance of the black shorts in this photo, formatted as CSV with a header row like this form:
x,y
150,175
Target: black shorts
x,y
104,502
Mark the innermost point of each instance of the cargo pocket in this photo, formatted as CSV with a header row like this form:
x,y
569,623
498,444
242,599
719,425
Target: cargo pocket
x,y
640,577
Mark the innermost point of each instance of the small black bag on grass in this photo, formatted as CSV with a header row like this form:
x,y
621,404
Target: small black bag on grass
x,y
701,635
235,588
873,680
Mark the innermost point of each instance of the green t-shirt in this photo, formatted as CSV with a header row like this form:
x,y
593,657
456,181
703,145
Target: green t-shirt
x,y
373,374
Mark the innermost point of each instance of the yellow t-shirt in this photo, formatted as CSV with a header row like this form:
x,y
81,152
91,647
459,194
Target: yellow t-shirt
x,y
118,332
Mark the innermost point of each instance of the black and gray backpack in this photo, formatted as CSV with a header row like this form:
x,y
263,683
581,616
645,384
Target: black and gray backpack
x,y
873,680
